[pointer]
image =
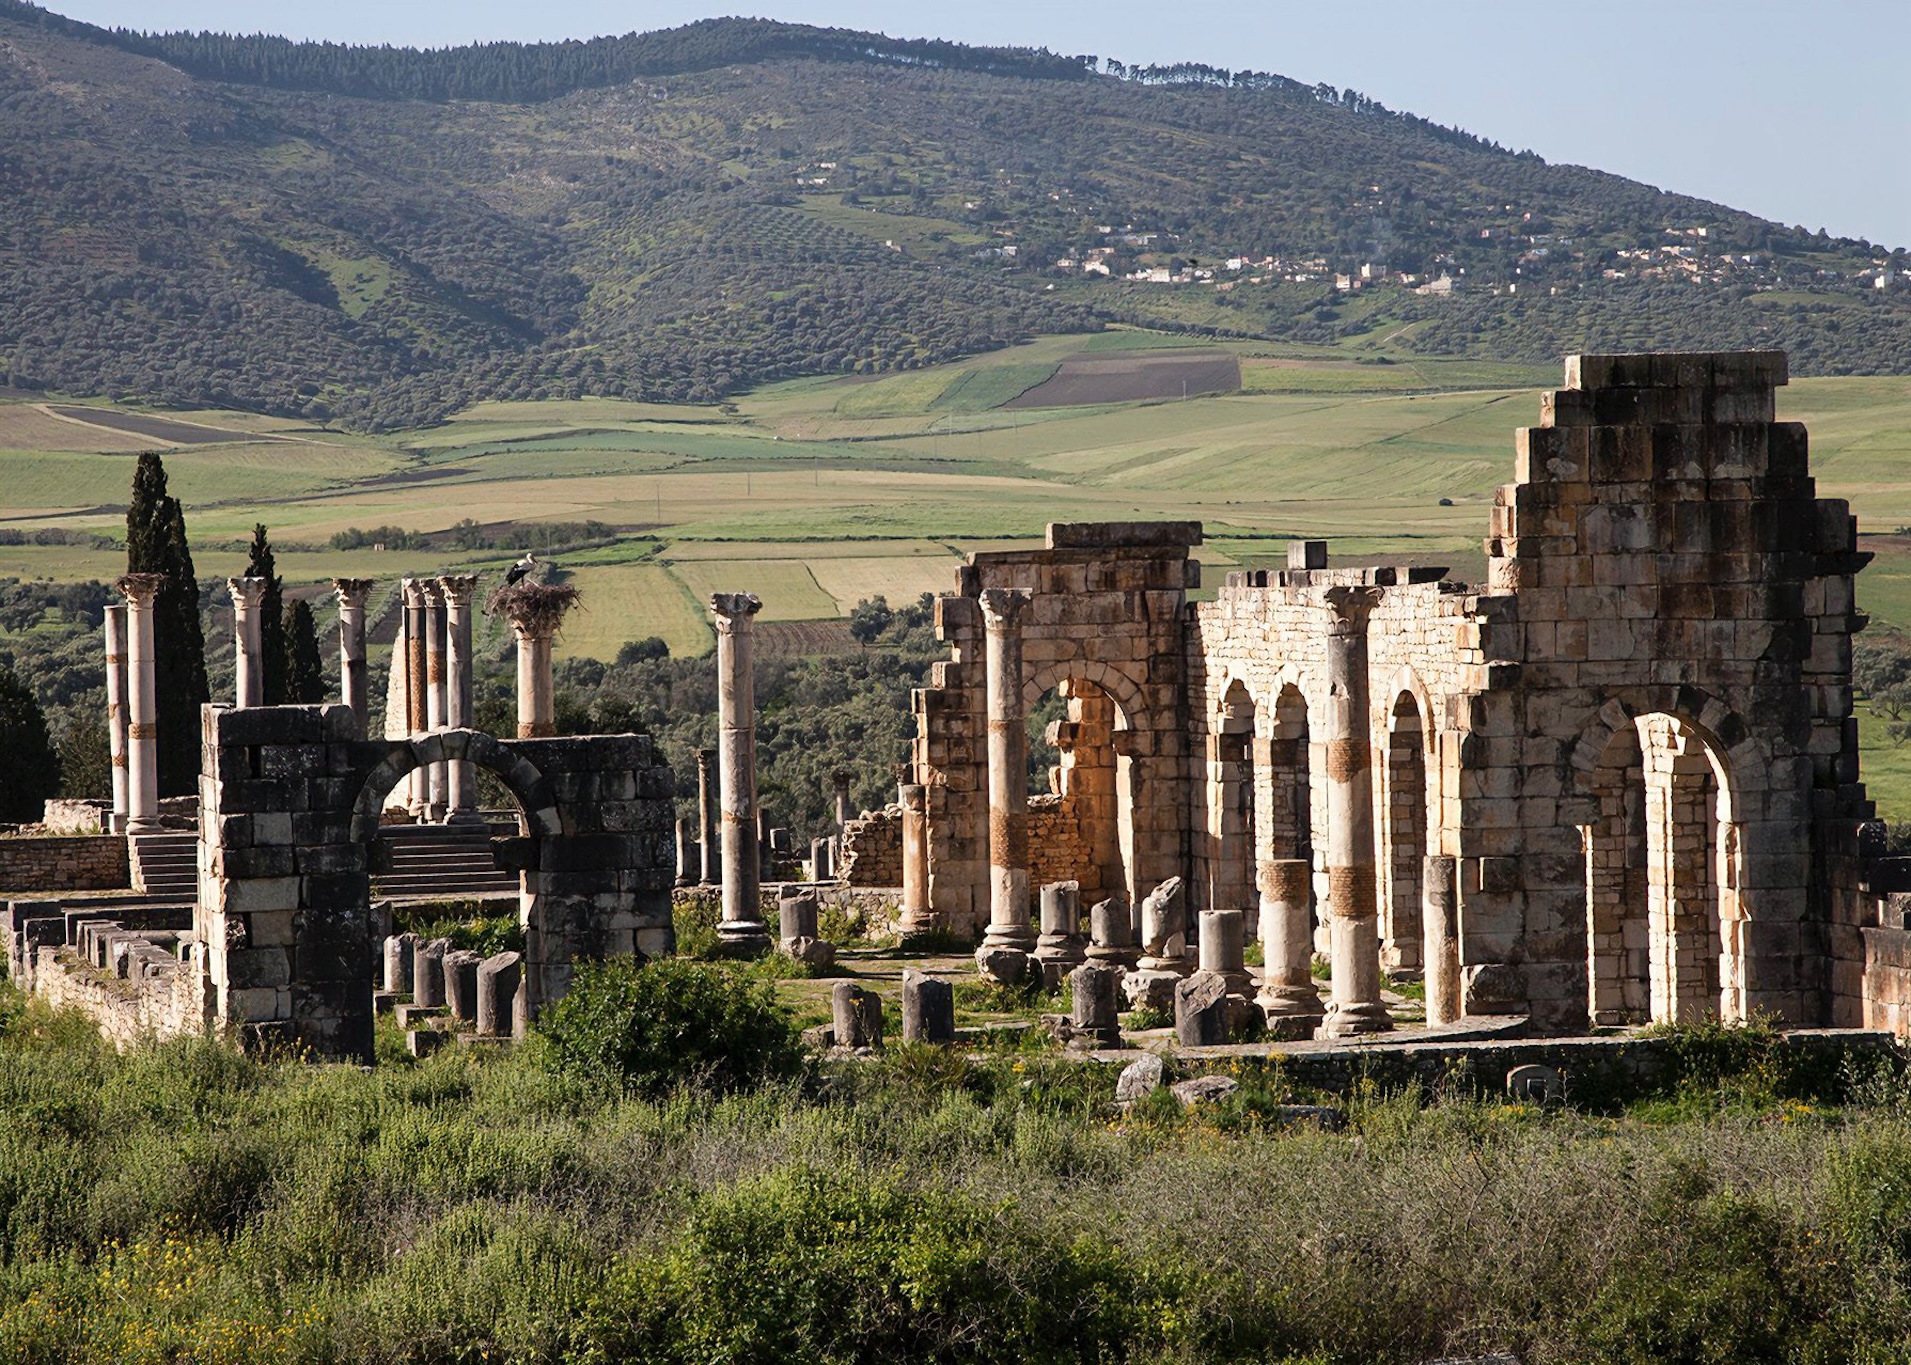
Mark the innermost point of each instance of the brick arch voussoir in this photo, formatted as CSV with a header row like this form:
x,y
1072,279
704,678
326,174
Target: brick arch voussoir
x,y
527,784
1131,711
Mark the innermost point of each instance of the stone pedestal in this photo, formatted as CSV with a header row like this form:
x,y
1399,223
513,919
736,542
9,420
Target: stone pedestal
x,y
1092,1016
1223,950
1289,999
499,982
399,950
1060,949
428,972
461,984
1111,933
352,683
1008,937
1201,1010
928,1009
856,1016
797,935
142,704
247,664
1352,904
741,930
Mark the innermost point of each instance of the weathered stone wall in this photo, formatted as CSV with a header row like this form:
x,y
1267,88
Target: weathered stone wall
x,y
75,862
872,848
1059,849
130,1002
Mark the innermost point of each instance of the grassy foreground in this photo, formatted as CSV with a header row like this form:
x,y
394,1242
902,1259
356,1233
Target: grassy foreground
x,y
184,1203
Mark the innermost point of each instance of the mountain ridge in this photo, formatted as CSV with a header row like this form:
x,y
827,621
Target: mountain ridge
x,y
808,209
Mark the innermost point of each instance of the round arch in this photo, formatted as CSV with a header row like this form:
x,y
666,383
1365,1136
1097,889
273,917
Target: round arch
x,y
1724,734
519,774
1124,691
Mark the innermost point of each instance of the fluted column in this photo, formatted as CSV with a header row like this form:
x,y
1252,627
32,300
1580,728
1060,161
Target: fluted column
x,y
1288,995
741,929
142,751
351,594
116,711
918,916
1002,611
709,858
461,786
419,782
248,667
1352,905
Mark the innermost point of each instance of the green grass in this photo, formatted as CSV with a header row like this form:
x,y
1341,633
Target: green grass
x,y
620,603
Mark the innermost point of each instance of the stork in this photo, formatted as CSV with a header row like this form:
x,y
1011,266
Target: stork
x,y
518,570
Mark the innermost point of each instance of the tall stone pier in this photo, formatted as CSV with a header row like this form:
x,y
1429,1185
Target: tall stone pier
x,y
142,734
537,717
116,710
352,682
461,785
741,930
248,666
1009,932
436,781
1352,902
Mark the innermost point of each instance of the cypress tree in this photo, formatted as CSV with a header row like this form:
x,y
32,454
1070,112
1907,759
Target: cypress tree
x,y
304,670
156,543
274,649
27,755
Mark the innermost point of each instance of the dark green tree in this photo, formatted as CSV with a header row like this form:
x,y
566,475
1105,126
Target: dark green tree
x,y
274,648
27,755
304,669
156,543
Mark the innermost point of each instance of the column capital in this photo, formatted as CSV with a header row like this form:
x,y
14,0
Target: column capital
x,y
141,588
1002,608
430,591
457,589
413,591
705,757
1350,605
247,593
352,592
731,608
913,796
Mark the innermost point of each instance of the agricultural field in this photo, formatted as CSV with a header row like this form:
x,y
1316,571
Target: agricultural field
x,y
819,492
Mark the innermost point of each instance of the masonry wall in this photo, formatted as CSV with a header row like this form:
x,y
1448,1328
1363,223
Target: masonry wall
x,y
872,848
64,863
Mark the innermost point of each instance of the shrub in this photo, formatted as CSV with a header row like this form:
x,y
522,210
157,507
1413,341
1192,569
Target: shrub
x,y
805,1266
646,1028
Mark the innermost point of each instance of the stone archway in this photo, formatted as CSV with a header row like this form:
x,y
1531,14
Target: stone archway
x,y
1404,822
290,802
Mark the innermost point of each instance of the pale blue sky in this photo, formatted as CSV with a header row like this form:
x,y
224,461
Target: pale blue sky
x,y
1797,111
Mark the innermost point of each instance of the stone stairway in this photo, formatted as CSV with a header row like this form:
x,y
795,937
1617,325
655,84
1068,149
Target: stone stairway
x,y
165,864
441,860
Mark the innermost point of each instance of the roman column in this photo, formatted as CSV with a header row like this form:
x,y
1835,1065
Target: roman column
x,y
1008,931
1440,929
142,756
434,596
840,782
917,915
1352,907
461,786
741,929
351,594
710,861
248,667
535,624
1288,995
116,712
419,782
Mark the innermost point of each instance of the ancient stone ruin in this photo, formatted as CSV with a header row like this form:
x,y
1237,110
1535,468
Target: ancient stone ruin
x,y
1617,782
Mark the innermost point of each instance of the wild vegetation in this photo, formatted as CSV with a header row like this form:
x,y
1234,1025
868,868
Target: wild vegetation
x,y
184,1202
379,238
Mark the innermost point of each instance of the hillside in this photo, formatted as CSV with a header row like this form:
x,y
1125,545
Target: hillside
x,y
379,238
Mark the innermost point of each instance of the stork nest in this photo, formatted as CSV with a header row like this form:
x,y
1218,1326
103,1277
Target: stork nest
x,y
534,608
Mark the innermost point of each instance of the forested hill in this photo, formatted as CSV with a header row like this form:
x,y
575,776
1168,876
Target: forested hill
x,y
382,235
